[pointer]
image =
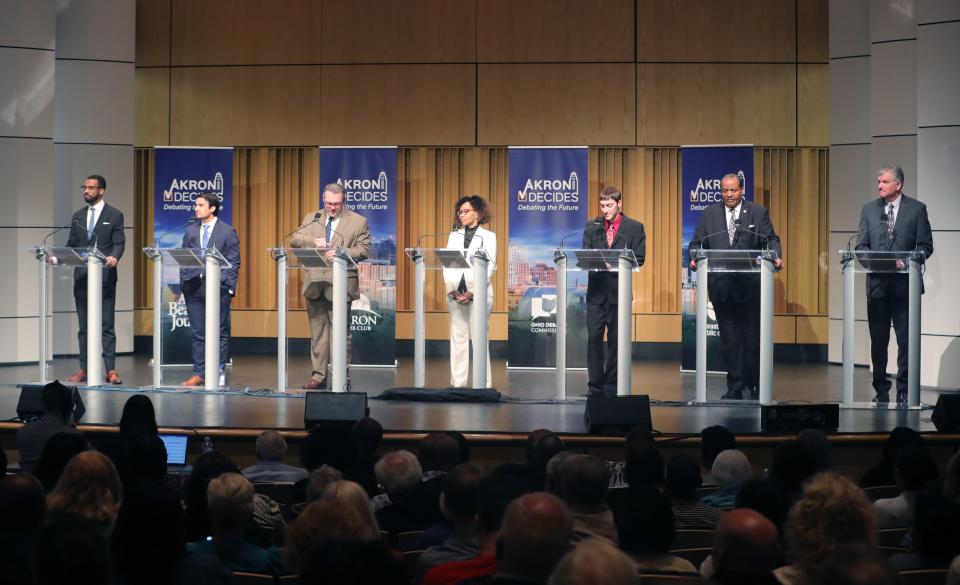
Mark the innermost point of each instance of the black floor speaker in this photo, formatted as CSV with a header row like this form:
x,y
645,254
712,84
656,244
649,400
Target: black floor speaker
x,y
334,409
796,417
946,414
30,404
616,415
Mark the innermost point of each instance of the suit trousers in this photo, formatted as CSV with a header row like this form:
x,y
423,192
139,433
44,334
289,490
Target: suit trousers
x,y
108,335
602,373
460,335
880,314
739,325
194,297
320,317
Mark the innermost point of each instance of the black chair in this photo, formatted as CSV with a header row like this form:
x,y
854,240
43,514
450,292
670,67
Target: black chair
x,y
880,492
692,538
923,577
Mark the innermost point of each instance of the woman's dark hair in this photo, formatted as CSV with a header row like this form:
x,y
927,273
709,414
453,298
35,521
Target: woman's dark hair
x,y
478,203
138,418
57,452
206,468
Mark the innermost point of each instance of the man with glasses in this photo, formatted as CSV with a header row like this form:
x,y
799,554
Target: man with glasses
x,y
335,227
101,225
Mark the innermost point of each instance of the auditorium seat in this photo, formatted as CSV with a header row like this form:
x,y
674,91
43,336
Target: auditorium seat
x,y
673,580
281,493
878,492
923,577
690,538
695,555
891,536
410,560
409,541
888,551
252,579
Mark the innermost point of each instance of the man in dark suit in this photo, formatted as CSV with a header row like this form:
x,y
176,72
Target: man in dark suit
x,y
209,232
736,224
612,230
892,222
101,225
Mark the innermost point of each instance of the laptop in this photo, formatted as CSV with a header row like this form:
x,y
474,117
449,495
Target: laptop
x,y
176,450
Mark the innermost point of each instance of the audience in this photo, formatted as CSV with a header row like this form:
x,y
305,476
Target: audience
x,y
89,489
351,494
461,488
582,483
461,444
766,497
935,536
683,480
326,522
138,423
57,401
594,562
543,450
438,453
72,551
915,468
399,473
645,532
57,452
856,564
333,446
368,434
319,480
882,474
713,440
745,549
22,507
951,478
793,464
271,448
205,468
644,466
349,563
815,441
731,469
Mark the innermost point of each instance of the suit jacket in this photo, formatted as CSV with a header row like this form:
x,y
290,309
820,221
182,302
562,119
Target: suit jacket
x,y
482,239
910,231
224,238
352,236
107,233
756,232
602,286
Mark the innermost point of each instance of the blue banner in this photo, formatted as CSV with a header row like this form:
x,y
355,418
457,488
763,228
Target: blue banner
x,y
548,200
180,174
703,167
368,177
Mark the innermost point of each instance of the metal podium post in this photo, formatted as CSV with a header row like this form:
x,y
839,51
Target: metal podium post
x,y
479,317
702,296
913,336
157,315
419,327
561,336
42,257
848,300
766,331
211,372
281,257
94,319
624,329
338,348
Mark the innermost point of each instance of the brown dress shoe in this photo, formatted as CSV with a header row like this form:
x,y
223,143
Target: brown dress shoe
x,y
78,376
113,377
193,380
313,384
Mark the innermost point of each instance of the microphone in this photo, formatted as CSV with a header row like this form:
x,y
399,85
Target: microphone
x,y
190,221
422,236
597,221
884,223
316,218
737,226
76,221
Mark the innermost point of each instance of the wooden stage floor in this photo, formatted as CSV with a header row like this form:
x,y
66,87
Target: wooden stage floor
x,y
529,398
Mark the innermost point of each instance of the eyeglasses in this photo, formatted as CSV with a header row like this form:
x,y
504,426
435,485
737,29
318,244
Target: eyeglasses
x,y
86,188
333,203
465,211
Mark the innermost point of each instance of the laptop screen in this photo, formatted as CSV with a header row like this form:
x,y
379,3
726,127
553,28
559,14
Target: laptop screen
x,y
176,449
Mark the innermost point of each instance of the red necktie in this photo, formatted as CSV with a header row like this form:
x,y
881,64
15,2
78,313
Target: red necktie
x,y
611,232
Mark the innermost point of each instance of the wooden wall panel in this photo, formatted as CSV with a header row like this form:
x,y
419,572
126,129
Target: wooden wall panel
x,y
153,33
245,32
239,106
556,104
555,30
387,31
716,30
813,31
813,105
398,104
152,106
716,104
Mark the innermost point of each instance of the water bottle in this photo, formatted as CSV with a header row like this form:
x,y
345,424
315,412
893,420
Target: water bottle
x,y
207,445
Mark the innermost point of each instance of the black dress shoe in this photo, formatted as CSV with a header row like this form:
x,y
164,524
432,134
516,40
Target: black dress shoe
x,y
901,398
733,395
754,394
881,398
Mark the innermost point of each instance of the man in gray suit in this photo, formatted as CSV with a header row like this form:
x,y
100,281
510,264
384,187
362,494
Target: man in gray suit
x,y
892,222
336,227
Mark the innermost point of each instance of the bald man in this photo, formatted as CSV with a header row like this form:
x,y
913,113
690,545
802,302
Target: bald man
x,y
745,548
535,535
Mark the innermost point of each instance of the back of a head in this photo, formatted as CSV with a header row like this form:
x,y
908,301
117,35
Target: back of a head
x,y
438,452
462,445
816,442
349,494
461,488
531,441
148,539
320,479
146,459
745,543
497,493
644,465
57,452
22,504
767,498
899,438
230,501
536,533
398,472
713,441
553,473
683,477
322,522
57,400
915,467
89,488
138,418
856,564
346,563
793,463
595,562
71,551
584,480
544,449
206,467
731,468
271,446
336,447
645,522
369,433
935,523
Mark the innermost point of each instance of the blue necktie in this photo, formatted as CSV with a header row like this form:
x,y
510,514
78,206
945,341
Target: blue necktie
x,y
329,232
91,222
205,236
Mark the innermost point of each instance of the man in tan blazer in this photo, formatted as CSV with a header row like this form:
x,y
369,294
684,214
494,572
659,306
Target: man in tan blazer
x,y
335,227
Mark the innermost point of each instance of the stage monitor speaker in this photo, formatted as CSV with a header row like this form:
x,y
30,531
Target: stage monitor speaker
x,y
946,414
616,415
796,417
334,409
30,403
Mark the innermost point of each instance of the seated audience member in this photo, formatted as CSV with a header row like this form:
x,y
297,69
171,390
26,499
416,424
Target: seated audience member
x,y
230,510
336,447
319,480
146,460
438,453
322,523
89,489
535,535
368,433
793,464
543,450
351,494
766,497
645,532
207,466
3,464
72,551
915,468
349,563
148,546
495,495
58,451
271,448
745,549
644,465
22,507
882,473
935,535
683,480
595,562
832,510
730,471
137,422
462,445
461,487
399,473
583,481
57,417
713,440
553,480
856,564
953,573
816,442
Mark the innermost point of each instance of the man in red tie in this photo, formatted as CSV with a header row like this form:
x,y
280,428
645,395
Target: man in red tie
x,y
609,231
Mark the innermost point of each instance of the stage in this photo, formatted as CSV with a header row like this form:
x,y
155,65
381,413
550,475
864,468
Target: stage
x,y
529,398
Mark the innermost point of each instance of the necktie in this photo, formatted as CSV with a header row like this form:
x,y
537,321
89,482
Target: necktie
x,y
891,219
205,236
610,234
329,231
91,222
732,225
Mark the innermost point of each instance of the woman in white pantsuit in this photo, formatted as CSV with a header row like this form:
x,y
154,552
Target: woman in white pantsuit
x,y
471,211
